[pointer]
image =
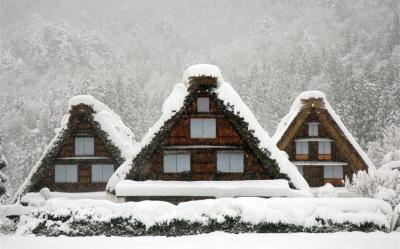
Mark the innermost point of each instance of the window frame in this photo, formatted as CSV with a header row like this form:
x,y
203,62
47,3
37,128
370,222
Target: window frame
x,y
333,172
86,151
313,129
203,104
65,177
103,178
231,161
174,155
196,122
325,147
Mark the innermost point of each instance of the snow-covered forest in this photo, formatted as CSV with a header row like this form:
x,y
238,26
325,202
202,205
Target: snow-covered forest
x,y
129,54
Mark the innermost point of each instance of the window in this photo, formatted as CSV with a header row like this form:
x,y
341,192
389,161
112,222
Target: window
x,y
102,172
84,146
202,128
313,129
175,162
203,105
324,147
333,171
300,168
230,161
66,173
302,147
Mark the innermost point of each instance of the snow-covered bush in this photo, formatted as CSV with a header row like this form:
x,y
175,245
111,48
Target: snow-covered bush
x,y
233,215
381,183
328,190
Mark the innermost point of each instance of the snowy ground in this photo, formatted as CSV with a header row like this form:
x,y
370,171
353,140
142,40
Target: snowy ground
x,y
215,240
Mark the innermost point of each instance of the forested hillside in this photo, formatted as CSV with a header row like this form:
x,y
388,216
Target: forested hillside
x,y
128,54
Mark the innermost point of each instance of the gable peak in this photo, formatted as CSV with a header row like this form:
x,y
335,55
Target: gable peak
x,y
202,76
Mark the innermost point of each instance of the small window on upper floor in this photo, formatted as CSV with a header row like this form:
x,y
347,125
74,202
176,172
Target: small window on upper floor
x,y
301,150
324,150
313,129
84,146
203,105
203,128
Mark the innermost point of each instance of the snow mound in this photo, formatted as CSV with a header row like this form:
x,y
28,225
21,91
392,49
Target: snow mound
x,y
296,108
297,211
261,188
328,190
202,70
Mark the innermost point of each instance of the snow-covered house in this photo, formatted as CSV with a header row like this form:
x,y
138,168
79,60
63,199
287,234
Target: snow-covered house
x,y
90,144
205,139
318,142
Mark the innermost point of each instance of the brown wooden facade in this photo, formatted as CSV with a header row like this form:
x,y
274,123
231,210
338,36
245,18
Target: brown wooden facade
x,y
314,163
80,124
203,151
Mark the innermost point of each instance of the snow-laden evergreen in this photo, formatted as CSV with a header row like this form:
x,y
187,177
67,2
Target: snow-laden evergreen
x,y
381,183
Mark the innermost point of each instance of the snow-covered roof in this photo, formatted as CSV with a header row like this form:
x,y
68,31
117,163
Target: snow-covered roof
x,y
218,189
110,122
202,70
296,108
117,132
231,98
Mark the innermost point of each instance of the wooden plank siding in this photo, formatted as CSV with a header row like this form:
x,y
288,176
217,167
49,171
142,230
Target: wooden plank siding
x,y
66,156
204,156
341,149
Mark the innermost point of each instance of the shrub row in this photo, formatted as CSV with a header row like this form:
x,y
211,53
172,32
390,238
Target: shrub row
x,y
70,225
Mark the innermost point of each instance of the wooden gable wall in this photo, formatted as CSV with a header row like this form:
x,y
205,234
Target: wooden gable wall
x,y
341,149
66,155
204,160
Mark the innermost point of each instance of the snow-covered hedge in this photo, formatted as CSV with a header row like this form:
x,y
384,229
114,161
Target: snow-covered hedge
x,y
234,215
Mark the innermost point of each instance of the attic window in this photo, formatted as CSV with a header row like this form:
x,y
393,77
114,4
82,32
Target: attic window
x,y
203,128
313,129
84,146
230,161
203,105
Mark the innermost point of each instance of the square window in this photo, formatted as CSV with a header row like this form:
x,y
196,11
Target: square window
x,y
175,162
230,161
313,129
209,128
203,105
84,146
